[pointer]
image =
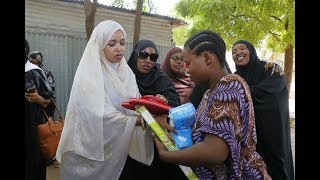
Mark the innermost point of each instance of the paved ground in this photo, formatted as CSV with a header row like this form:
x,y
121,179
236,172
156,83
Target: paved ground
x,y
53,173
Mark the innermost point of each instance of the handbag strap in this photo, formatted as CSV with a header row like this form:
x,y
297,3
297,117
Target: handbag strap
x,y
55,105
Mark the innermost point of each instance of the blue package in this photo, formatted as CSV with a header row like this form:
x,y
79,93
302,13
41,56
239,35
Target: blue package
x,y
183,138
182,116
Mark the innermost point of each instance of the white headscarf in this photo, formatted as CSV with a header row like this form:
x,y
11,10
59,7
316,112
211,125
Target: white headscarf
x,y
96,125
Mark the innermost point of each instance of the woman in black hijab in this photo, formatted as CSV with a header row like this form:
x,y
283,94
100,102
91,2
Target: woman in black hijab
x,y
269,92
37,99
151,81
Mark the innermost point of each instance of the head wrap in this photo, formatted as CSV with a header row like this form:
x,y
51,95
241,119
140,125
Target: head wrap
x,y
165,65
182,82
253,72
155,82
144,81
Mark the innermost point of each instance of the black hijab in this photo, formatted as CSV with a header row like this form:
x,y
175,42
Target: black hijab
x,y
156,81
254,71
270,95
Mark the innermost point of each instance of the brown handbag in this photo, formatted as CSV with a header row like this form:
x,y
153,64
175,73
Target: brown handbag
x,y
49,135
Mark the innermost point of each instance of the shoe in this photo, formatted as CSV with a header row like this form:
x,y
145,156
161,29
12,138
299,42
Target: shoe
x,y
56,164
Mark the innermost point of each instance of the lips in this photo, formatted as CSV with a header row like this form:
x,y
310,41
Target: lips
x,y
146,67
119,56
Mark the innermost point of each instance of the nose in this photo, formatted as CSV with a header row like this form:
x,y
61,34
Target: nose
x,y
119,48
147,59
179,61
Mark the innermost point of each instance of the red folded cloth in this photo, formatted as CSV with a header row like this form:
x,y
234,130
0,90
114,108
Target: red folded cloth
x,y
154,105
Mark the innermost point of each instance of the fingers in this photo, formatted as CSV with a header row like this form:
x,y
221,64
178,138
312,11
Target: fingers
x,y
28,98
170,137
162,121
169,128
160,96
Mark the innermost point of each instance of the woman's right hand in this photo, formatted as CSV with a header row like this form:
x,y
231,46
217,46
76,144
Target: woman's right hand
x,y
34,97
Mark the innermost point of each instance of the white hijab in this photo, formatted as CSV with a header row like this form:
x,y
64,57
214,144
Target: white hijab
x,y
96,125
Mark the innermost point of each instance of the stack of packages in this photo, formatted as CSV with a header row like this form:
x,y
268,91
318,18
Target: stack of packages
x,y
160,133
182,119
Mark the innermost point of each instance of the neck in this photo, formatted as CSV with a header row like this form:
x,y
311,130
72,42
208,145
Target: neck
x,y
213,82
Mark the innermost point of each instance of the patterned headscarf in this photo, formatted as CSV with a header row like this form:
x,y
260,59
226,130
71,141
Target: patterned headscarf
x,y
182,82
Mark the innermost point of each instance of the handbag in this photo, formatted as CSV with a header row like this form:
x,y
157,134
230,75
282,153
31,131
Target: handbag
x,y
49,134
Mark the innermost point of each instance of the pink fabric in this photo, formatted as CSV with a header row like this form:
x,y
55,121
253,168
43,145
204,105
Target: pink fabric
x,y
182,83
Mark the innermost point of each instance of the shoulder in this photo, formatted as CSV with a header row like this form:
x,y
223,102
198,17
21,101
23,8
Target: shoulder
x,y
232,81
232,86
273,68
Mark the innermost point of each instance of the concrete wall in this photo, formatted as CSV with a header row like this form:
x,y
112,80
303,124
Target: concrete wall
x,y
57,29
68,18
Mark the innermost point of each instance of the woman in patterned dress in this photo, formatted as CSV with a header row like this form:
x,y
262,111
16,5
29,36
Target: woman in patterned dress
x,y
224,134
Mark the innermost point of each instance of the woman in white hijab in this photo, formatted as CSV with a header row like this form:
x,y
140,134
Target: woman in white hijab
x,y
98,132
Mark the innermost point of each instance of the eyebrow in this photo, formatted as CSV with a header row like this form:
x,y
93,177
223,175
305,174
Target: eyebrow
x,y
116,40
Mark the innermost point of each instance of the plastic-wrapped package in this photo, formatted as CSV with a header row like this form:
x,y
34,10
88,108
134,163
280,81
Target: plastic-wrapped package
x,y
182,119
183,116
183,138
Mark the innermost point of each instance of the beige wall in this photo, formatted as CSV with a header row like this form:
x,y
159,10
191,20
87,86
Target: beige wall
x,y
67,18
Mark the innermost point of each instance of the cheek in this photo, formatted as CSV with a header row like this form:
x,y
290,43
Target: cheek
x,y
107,53
234,57
172,66
139,65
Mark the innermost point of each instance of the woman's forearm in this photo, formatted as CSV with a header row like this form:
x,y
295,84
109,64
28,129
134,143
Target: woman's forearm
x,y
207,153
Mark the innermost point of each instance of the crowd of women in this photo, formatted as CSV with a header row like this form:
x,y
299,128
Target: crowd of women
x,y
242,121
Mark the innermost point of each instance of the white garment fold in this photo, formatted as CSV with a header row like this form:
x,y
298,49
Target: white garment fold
x,y
96,126
29,66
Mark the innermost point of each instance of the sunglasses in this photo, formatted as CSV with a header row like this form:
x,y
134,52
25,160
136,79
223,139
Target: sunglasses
x,y
144,55
176,59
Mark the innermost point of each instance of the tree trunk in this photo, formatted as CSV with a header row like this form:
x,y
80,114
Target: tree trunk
x,y
288,64
90,10
137,22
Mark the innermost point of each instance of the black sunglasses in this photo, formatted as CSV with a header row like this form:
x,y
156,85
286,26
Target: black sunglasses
x,y
144,55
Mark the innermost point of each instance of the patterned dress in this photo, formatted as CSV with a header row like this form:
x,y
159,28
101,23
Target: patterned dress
x,y
227,112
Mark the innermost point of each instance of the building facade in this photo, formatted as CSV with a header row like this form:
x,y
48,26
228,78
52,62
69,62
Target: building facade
x,y
57,29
